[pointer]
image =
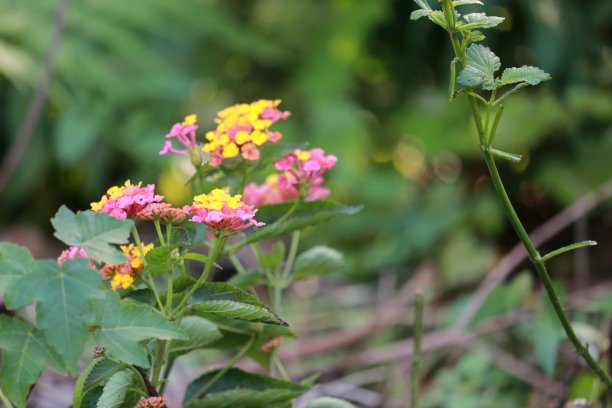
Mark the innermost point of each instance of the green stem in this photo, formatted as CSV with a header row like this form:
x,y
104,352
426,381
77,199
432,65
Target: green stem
x,y
5,400
236,262
145,274
290,212
540,267
229,365
567,248
295,242
169,233
415,374
166,375
160,236
218,244
159,361
169,293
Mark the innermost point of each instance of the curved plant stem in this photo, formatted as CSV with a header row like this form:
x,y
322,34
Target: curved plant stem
x,y
218,245
159,361
534,256
146,275
229,365
415,373
540,267
5,400
160,235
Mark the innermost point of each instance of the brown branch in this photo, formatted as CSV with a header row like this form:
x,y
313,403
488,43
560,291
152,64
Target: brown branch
x,y
30,122
518,254
150,387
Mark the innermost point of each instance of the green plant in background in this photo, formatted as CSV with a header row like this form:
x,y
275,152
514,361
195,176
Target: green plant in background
x,y
473,70
151,310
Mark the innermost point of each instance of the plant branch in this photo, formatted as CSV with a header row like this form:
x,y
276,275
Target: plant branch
x,y
145,274
150,387
30,122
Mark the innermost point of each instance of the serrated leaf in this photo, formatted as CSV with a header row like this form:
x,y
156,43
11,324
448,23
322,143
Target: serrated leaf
x,y
92,376
239,388
423,4
25,354
481,64
531,75
199,332
464,2
307,214
64,294
93,232
223,300
329,402
319,260
122,325
116,389
15,263
481,20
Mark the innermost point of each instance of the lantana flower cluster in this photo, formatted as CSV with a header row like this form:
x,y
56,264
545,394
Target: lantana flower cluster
x,y
241,129
222,212
152,402
184,133
123,275
302,174
126,201
72,253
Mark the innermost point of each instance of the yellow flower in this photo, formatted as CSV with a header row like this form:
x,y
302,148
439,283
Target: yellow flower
x,y
121,281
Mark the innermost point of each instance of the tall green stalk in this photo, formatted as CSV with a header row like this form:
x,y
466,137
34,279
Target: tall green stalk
x,y
485,66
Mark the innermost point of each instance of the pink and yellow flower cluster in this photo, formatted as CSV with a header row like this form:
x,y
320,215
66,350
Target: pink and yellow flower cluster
x,y
241,129
122,276
72,253
222,212
126,201
301,174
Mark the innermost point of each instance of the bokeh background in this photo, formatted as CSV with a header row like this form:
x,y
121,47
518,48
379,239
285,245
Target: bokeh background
x,y
365,83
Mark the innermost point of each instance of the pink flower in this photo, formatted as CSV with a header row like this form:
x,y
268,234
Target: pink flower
x,y
127,200
184,133
72,253
152,402
222,212
270,192
250,151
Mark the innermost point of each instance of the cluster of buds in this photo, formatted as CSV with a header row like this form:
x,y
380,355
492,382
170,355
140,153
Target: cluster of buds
x,y
98,351
302,175
72,253
152,402
126,201
241,129
122,276
163,212
224,213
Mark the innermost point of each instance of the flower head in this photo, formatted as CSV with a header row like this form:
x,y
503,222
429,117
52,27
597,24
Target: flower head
x,y
122,276
72,253
184,133
163,212
127,200
222,212
241,129
152,402
301,174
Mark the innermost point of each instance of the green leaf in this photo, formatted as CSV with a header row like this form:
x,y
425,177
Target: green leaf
x,y
531,75
98,370
464,2
513,157
416,14
481,64
275,257
93,232
116,389
199,333
122,325
160,259
481,20
221,299
248,279
25,354
64,294
307,214
328,402
422,4
319,260
15,263
238,388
